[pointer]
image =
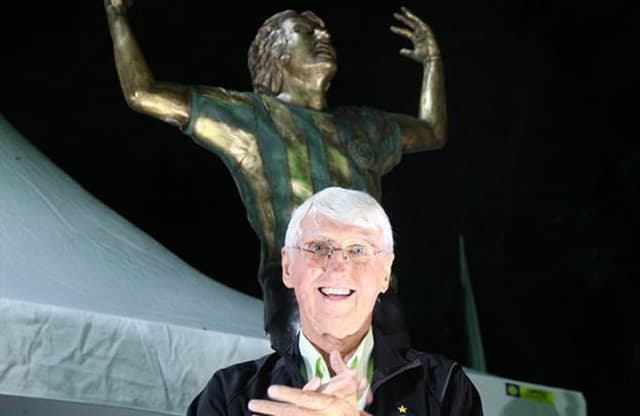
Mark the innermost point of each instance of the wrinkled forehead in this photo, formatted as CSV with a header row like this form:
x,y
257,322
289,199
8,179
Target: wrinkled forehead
x,y
317,226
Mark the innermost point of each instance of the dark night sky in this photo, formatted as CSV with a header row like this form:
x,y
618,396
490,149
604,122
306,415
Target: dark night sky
x,y
541,173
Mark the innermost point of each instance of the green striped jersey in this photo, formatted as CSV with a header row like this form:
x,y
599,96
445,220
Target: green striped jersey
x,y
279,154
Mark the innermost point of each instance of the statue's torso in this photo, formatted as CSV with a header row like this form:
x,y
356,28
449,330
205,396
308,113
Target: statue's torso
x,y
280,154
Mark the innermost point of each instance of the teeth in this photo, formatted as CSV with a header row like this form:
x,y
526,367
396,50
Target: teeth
x,y
335,291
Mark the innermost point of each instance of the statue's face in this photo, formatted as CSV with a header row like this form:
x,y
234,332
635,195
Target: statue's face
x,y
309,49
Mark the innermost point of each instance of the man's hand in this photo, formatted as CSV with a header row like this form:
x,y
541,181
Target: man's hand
x,y
344,384
289,401
425,48
337,397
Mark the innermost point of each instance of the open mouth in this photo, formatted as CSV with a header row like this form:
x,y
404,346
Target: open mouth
x,y
326,50
336,293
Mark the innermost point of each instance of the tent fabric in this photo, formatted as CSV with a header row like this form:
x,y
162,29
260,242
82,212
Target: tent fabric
x,y
68,354
61,246
94,310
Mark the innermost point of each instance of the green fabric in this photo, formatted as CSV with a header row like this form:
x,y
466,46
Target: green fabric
x,y
349,147
319,373
352,365
314,365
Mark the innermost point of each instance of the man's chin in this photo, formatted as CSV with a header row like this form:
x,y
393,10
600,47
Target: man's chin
x,y
341,331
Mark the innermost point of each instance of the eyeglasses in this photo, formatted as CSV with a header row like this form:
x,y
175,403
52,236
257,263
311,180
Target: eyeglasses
x,y
318,253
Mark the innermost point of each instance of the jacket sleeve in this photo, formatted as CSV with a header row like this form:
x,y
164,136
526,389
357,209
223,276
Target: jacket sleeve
x,y
212,399
461,397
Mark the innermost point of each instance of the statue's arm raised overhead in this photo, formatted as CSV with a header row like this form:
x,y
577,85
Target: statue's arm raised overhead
x,y
165,101
428,131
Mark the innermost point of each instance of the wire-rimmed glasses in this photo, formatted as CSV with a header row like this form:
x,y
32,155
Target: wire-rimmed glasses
x,y
318,253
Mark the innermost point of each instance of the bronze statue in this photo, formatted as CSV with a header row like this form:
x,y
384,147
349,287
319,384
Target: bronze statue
x,y
281,142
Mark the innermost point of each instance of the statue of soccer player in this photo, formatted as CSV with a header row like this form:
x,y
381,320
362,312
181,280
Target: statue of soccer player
x,y
280,142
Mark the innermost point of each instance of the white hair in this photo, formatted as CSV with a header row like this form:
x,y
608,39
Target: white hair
x,y
346,206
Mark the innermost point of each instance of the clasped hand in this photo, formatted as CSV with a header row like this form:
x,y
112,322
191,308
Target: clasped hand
x,y
337,397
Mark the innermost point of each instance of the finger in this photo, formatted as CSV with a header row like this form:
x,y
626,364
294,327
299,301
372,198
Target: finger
x,y
341,387
404,19
268,407
337,363
313,384
402,32
408,53
416,22
369,396
363,384
304,399
409,14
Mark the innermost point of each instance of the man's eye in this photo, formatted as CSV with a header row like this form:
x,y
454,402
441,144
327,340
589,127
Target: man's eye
x,y
357,250
318,247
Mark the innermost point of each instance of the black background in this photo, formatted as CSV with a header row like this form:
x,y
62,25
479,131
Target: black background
x,y
541,172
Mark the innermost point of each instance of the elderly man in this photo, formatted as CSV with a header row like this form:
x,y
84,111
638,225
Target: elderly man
x,y
281,142
337,258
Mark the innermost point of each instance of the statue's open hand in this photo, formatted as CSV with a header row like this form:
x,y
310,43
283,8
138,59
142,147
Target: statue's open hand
x,y
425,47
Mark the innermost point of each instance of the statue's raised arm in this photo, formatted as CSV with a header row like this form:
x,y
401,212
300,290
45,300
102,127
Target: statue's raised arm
x,y
165,101
429,130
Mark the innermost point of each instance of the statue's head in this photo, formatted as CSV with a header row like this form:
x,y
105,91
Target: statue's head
x,y
274,46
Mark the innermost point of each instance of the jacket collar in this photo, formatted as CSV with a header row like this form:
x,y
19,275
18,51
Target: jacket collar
x,y
293,362
388,360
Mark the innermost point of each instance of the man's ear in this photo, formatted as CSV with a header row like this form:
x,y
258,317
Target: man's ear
x,y
384,285
287,280
386,280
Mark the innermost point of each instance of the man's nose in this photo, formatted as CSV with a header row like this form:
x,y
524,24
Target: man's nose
x,y
336,260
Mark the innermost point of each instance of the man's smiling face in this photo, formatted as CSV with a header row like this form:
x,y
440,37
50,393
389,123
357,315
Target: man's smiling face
x,y
337,299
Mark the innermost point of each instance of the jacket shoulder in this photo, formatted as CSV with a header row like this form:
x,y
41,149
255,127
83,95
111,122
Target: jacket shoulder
x,y
439,369
449,384
239,377
228,389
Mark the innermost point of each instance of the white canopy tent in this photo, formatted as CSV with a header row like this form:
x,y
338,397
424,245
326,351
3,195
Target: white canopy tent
x,y
95,311
98,318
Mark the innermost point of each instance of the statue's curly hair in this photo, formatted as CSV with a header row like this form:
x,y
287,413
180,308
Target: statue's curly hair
x,y
269,47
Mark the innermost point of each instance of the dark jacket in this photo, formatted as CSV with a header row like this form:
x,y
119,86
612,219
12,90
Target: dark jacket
x,y
416,382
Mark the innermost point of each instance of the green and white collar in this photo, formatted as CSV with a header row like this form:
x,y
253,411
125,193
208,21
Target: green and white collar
x,y
361,361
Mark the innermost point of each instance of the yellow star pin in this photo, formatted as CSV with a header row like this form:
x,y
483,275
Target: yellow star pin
x,y
402,409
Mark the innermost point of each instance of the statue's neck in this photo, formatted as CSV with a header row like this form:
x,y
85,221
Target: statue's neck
x,y
309,92
313,101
